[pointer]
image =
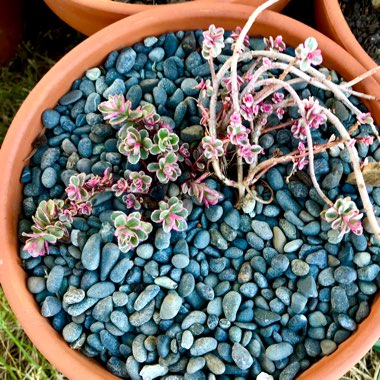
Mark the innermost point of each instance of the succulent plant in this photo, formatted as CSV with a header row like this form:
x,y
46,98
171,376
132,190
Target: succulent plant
x,y
164,142
131,201
213,42
134,144
171,214
149,118
212,147
118,111
202,192
249,109
120,187
302,161
47,213
314,115
344,217
205,88
38,243
139,182
276,43
365,118
130,229
75,190
166,169
238,134
249,152
47,228
308,54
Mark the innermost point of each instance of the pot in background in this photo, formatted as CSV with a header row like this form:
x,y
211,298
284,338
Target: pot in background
x,y
89,16
331,21
27,125
10,28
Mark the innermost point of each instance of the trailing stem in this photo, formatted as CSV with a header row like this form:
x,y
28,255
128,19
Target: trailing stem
x,y
250,100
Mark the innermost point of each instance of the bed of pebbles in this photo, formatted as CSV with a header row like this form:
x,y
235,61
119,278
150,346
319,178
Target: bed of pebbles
x,y
232,296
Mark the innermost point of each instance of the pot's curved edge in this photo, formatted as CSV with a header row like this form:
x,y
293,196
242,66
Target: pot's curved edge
x,y
89,16
28,124
331,21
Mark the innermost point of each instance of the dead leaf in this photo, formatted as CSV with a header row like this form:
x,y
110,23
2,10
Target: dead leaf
x,y
303,177
371,174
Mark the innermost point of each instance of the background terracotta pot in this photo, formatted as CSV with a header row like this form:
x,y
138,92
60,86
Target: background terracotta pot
x,y
10,28
89,16
27,125
331,21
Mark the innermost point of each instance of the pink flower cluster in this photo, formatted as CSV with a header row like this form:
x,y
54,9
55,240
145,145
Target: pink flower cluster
x,y
237,134
235,35
365,118
249,109
301,162
213,42
276,44
314,117
366,140
308,54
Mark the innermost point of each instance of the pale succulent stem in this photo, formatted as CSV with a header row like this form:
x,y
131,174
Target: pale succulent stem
x,y
268,90
361,77
234,80
301,108
212,122
255,135
261,70
212,69
288,68
312,170
312,76
355,161
318,80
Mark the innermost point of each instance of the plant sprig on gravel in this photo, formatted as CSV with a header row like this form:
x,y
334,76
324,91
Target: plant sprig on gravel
x,y
130,229
266,91
344,217
230,139
171,214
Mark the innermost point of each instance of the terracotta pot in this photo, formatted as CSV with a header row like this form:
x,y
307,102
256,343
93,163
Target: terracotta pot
x,y
10,28
331,21
89,16
27,125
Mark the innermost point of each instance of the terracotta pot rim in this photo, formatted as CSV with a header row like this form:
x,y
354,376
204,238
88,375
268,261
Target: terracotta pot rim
x,y
27,124
333,18
90,16
127,8
115,6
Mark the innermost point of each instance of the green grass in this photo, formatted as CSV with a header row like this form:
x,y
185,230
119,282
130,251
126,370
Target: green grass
x,y
19,359
48,39
17,83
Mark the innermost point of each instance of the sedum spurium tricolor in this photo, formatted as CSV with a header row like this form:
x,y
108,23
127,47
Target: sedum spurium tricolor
x,y
248,101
